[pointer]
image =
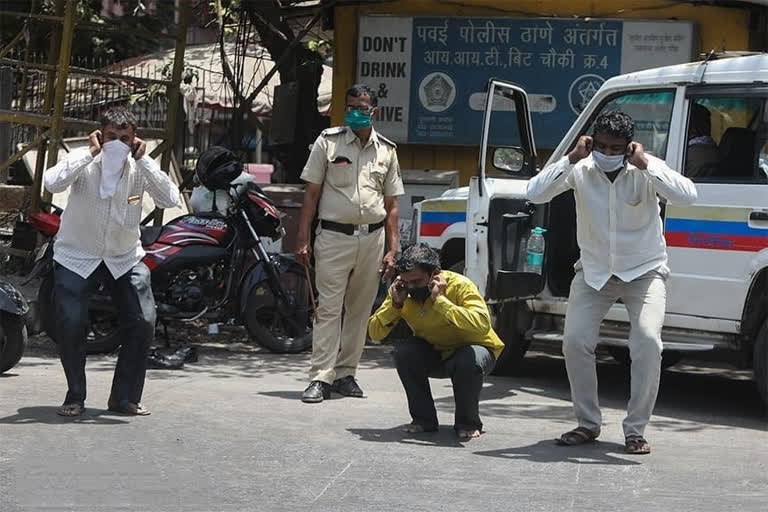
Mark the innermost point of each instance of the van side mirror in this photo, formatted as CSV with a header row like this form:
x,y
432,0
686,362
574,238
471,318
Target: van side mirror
x,y
511,159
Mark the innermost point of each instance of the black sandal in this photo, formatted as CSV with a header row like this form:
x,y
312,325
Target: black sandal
x,y
577,436
636,445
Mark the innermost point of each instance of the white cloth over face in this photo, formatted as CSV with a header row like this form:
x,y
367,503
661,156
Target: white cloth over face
x,y
113,156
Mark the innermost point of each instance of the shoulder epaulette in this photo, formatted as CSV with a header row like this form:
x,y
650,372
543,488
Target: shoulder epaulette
x,y
386,140
335,130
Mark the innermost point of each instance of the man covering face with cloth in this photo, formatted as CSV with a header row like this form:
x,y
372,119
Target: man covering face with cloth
x,y
99,242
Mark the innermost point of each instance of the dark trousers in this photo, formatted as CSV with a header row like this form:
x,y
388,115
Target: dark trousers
x,y
132,296
417,361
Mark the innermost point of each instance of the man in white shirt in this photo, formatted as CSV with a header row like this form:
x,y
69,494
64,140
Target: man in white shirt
x,y
99,242
623,256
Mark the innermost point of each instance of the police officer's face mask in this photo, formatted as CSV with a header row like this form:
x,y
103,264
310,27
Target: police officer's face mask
x,y
358,120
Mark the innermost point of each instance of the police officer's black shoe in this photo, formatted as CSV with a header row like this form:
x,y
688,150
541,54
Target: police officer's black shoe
x,y
316,392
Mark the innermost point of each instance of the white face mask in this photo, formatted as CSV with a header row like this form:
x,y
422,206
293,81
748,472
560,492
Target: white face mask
x,y
113,156
607,163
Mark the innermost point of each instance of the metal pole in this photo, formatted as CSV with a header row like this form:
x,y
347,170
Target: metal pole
x,y
173,93
53,56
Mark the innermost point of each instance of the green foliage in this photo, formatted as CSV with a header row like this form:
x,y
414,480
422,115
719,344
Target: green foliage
x,y
133,34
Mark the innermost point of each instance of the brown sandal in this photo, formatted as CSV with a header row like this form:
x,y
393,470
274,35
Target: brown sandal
x,y
577,436
71,410
636,445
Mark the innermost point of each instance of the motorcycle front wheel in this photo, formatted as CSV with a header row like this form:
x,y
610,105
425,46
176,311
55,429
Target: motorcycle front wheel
x,y
103,336
283,326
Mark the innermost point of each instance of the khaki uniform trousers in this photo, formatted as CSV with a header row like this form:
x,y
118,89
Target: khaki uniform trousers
x,y
347,277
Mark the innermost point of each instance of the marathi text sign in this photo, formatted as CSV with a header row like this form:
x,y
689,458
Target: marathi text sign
x,y
430,73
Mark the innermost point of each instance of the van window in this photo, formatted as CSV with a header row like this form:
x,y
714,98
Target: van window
x,y
651,112
727,140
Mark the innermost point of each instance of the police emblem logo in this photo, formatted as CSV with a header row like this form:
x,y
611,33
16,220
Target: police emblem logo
x,y
582,89
437,92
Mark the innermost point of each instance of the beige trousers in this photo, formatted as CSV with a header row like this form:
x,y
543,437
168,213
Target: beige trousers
x,y
347,277
645,300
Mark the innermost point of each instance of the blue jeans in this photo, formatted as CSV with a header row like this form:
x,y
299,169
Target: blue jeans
x,y
417,360
132,296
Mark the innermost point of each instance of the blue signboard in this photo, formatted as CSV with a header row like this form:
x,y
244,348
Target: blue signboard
x,y
430,73
560,64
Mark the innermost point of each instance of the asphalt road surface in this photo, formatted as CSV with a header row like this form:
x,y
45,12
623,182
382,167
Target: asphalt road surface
x,y
229,433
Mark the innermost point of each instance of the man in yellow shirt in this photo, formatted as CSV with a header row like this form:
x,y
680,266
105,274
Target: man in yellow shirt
x,y
452,337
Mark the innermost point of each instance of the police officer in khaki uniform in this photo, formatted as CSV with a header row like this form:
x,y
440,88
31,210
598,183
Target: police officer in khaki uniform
x,y
353,178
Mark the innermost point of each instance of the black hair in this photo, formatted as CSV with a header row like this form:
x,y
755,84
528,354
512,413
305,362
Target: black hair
x,y
615,124
120,117
358,90
418,256
701,120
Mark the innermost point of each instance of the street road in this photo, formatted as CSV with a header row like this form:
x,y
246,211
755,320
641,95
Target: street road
x,y
229,433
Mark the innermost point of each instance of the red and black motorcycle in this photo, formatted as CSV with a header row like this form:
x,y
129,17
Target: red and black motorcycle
x,y
207,266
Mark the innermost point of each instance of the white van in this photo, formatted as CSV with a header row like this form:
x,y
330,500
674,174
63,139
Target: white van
x,y
718,247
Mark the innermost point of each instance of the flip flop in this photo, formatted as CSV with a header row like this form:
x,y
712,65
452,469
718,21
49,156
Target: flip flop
x,y
636,445
577,436
416,428
129,409
464,435
71,410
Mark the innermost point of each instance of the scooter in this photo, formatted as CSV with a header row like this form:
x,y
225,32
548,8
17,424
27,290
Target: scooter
x,y
13,331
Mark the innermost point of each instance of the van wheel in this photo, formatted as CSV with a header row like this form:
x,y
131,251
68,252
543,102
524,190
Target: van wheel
x,y
512,321
669,358
457,267
760,362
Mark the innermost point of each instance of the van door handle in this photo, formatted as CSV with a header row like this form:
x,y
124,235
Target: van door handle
x,y
759,216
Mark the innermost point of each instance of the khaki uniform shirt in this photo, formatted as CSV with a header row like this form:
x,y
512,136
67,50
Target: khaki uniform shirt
x,y
355,179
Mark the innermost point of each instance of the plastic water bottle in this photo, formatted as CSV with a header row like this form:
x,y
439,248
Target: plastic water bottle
x,y
534,251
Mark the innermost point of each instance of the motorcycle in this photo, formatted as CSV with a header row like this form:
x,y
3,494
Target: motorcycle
x,y
208,266
13,331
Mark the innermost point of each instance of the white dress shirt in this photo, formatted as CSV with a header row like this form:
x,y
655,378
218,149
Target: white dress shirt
x,y
95,230
618,225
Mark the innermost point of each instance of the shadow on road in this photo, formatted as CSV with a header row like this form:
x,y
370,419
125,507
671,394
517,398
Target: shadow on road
x,y
444,437
47,415
598,453
694,395
697,396
295,395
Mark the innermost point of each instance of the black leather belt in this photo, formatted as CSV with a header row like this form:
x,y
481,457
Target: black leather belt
x,y
350,229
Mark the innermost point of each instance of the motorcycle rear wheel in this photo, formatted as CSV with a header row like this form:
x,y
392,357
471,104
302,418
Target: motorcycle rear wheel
x,y
103,330
279,327
13,340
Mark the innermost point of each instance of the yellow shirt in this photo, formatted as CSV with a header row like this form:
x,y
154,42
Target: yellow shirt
x,y
457,318
355,179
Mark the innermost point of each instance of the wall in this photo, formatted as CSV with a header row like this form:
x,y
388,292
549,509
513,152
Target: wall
x,y
718,28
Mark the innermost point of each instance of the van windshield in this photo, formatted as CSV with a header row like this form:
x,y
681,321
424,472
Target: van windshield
x,y
651,112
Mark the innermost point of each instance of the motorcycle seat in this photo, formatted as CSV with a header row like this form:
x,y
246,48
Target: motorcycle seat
x,y
150,234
